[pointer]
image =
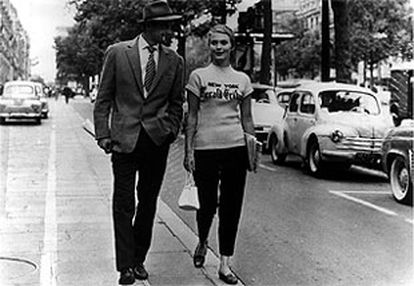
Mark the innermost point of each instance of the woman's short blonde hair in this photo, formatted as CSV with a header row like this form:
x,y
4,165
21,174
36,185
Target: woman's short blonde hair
x,y
223,29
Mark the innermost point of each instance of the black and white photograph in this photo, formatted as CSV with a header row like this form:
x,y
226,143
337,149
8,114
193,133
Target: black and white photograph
x,y
206,142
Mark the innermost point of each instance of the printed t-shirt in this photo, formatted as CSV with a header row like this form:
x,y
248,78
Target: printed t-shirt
x,y
221,91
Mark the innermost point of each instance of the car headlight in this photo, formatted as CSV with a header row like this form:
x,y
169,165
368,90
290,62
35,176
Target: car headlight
x,y
337,136
36,107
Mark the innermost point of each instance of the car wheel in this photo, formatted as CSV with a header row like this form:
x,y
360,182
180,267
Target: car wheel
x,y
315,165
401,184
46,115
38,120
277,158
2,120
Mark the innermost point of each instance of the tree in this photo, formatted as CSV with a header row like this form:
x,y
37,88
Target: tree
x,y
342,57
379,29
267,42
100,23
300,56
77,56
325,48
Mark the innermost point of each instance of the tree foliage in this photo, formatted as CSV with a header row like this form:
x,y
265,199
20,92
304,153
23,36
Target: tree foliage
x,y
100,23
299,57
379,29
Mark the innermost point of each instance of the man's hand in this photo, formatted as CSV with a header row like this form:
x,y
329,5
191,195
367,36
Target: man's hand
x,y
105,144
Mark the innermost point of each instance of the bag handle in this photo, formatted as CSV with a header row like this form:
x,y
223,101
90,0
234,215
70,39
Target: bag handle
x,y
189,179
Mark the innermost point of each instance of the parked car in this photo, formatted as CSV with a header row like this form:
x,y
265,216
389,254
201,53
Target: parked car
x,y
43,100
398,160
401,87
330,124
284,89
266,110
20,100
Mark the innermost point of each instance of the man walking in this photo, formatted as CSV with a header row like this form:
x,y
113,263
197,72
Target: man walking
x,y
141,93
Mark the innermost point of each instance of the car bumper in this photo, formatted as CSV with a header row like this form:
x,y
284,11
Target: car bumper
x,y
18,115
364,153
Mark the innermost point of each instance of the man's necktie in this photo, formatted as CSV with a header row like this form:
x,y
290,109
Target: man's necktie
x,y
149,69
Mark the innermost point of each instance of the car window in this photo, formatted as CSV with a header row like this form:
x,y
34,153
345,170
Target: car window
x,y
19,91
283,97
346,100
307,104
261,96
294,102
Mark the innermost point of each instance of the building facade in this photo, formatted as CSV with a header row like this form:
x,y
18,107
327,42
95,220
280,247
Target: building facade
x,y
311,13
14,45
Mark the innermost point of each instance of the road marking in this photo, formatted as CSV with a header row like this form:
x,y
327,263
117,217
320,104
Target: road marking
x,y
48,258
267,168
365,192
365,203
409,221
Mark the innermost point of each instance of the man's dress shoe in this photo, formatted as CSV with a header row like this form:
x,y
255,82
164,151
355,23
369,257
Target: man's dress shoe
x,y
126,277
140,272
228,278
200,255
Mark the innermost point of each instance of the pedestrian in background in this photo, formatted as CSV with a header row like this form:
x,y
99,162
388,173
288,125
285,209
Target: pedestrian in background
x,y
68,93
219,101
141,90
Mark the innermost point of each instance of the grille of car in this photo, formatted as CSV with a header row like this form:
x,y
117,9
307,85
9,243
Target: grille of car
x,y
361,144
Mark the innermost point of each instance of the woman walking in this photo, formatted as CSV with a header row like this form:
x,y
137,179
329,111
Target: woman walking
x,y
219,114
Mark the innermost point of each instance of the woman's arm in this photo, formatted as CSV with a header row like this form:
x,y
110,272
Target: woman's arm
x,y
246,115
190,130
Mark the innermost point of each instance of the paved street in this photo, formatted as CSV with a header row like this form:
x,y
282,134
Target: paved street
x,y
55,192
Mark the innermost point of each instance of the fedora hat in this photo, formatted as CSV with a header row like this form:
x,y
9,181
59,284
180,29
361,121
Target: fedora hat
x,y
158,11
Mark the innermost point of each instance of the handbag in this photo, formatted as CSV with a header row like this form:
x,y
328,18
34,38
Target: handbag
x,y
188,199
254,150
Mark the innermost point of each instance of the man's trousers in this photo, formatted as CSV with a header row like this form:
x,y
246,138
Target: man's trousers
x,y
133,223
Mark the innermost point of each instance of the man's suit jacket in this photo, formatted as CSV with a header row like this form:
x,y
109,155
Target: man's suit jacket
x,y
121,101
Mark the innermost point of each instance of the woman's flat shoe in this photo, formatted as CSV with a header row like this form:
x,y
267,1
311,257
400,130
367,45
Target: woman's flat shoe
x,y
228,278
200,255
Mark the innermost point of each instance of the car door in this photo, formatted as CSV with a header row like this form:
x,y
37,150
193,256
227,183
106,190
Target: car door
x,y
305,118
291,120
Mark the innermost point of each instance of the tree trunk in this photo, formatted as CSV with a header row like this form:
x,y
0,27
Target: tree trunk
x,y
267,43
325,55
342,57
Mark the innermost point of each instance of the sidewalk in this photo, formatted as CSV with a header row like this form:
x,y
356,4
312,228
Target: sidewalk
x,y
169,261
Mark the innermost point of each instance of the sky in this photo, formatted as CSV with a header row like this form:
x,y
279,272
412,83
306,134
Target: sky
x,y
40,18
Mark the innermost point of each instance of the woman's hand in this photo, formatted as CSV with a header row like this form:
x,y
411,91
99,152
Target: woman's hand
x,y
189,162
